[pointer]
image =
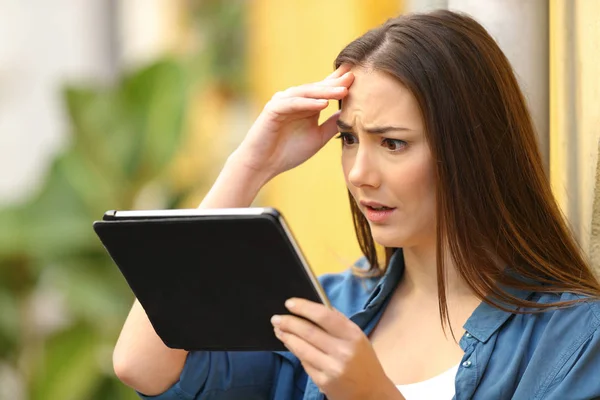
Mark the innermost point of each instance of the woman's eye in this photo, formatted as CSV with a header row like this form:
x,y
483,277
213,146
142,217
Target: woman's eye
x,y
394,144
347,138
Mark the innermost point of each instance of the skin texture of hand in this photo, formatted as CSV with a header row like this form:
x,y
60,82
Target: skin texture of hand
x,y
287,132
334,352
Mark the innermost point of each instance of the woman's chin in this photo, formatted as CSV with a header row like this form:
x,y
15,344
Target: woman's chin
x,y
388,239
396,238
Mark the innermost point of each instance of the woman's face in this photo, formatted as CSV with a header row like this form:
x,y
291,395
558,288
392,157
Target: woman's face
x,y
386,160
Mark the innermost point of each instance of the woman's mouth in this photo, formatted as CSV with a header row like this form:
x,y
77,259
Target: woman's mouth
x,y
377,213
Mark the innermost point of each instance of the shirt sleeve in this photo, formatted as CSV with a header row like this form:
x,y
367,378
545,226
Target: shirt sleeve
x,y
224,376
577,376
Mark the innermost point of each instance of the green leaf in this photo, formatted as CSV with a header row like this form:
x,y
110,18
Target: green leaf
x,y
96,292
9,322
114,390
69,367
156,98
100,129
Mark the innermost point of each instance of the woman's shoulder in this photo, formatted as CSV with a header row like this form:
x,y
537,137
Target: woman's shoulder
x,y
348,291
554,352
585,310
560,323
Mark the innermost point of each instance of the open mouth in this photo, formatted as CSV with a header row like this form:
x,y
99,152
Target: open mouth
x,y
375,206
376,212
380,208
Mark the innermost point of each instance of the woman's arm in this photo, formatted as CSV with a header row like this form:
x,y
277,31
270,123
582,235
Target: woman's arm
x,y
285,134
141,360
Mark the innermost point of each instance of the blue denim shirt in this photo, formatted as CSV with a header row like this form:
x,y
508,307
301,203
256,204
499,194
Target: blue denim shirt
x,y
550,355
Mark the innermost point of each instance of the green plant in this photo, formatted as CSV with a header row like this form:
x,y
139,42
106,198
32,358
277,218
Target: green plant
x,y
62,301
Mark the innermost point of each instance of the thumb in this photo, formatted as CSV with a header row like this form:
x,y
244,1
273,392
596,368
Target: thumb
x,y
329,128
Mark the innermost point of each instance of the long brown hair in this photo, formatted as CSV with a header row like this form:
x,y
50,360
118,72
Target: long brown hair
x,y
495,209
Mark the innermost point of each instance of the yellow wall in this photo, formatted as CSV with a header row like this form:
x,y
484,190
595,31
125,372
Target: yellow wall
x,y
575,115
294,42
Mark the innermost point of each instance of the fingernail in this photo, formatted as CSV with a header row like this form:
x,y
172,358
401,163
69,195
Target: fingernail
x,y
290,303
339,89
275,320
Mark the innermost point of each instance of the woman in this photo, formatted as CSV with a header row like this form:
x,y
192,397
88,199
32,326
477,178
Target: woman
x,y
483,292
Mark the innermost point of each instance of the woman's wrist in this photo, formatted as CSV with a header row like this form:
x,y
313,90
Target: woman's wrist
x,y
236,186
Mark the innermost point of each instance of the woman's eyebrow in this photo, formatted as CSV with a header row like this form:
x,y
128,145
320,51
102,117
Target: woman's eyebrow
x,y
344,126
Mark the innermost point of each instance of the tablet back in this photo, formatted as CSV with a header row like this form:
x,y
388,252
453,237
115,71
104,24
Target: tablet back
x,y
210,282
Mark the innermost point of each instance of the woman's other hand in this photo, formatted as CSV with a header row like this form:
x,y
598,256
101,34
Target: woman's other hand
x,y
287,132
334,351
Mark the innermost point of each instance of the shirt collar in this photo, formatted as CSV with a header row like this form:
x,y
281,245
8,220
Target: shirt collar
x,y
385,288
483,322
487,319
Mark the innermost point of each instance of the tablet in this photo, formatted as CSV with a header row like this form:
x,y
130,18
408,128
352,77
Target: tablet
x,y
210,279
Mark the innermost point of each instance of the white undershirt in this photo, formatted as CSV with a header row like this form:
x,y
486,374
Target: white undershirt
x,y
439,387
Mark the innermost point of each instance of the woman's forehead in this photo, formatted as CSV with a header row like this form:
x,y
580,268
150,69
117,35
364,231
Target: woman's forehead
x,y
378,98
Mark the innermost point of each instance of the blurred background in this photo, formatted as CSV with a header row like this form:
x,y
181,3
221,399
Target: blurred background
x,y
135,104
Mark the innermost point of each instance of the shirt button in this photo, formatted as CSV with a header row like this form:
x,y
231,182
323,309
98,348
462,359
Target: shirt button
x,y
468,335
466,364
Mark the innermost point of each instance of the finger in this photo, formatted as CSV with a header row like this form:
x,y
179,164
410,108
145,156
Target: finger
x,y
329,128
331,320
341,70
315,91
306,352
345,80
305,330
284,107
330,88
315,373
309,368
317,376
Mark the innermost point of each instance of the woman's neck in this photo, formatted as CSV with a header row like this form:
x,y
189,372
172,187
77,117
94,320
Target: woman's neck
x,y
420,275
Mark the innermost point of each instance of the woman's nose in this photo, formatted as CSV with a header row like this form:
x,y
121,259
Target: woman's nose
x,y
363,171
